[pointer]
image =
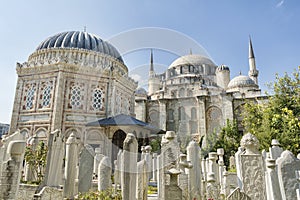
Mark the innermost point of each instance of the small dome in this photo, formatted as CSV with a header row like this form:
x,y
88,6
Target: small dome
x,y
80,40
192,59
223,68
241,81
141,91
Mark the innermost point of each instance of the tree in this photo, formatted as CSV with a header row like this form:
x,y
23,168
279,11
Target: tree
x,y
279,117
37,157
228,139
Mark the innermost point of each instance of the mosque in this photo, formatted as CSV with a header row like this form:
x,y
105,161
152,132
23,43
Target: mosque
x,y
74,79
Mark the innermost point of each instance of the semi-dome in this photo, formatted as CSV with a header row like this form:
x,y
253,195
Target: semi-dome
x,y
241,81
80,40
192,59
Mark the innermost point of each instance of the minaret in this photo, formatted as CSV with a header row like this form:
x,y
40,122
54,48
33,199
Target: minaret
x,y
153,81
253,72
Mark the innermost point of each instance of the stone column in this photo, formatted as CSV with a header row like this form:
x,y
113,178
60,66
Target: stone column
x,y
204,175
148,159
55,156
252,168
212,188
154,167
104,174
194,173
129,167
98,157
220,153
213,167
273,189
70,167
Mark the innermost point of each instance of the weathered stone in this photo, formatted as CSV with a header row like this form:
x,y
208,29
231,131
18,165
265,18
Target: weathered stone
x,y
287,165
183,178
142,180
173,191
104,174
230,182
49,193
70,167
251,168
273,189
11,168
275,150
129,167
86,168
238,195
55,158
194,173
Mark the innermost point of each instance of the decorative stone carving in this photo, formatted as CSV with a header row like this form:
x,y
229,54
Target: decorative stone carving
x,y
273,189
238,195
251,168
173,191
275,150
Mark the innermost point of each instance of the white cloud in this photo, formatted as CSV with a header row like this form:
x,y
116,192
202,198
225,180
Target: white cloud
x,y
280,3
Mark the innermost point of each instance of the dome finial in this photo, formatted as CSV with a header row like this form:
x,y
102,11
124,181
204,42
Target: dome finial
x,y
240,72
84,29
191,51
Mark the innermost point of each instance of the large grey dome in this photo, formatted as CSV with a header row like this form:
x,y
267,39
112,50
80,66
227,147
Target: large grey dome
x,y
192,59
81,40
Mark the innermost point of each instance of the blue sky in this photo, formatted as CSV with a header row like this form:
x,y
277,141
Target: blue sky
x,y
221,27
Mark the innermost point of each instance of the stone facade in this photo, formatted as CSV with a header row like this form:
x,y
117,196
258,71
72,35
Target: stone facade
x,y
194,97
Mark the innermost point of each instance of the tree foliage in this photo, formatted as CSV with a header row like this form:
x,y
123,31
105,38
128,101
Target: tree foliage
x,y
228,139
37,158
279,117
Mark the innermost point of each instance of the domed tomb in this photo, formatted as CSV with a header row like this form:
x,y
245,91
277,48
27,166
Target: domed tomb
x,y
80,40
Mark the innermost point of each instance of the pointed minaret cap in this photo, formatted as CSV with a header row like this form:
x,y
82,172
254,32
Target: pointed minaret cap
x,y
251,52
151,61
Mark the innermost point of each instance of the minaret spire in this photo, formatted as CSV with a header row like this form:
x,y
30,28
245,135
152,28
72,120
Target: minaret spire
x,y
253,72
151,61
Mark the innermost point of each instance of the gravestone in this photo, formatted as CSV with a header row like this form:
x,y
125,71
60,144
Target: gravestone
x,y
97,158
298,179
11,164
275,150
167,160
238,195
129,167
194,173
30,173
173,191
252,173
104,174
183,177
154,167
142,180
273,189
70,167
230,182
287,164
86,168
55,156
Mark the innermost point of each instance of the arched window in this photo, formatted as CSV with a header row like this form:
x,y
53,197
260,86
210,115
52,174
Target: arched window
x,y
97,99
75,99
30,94
46,95
181,113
